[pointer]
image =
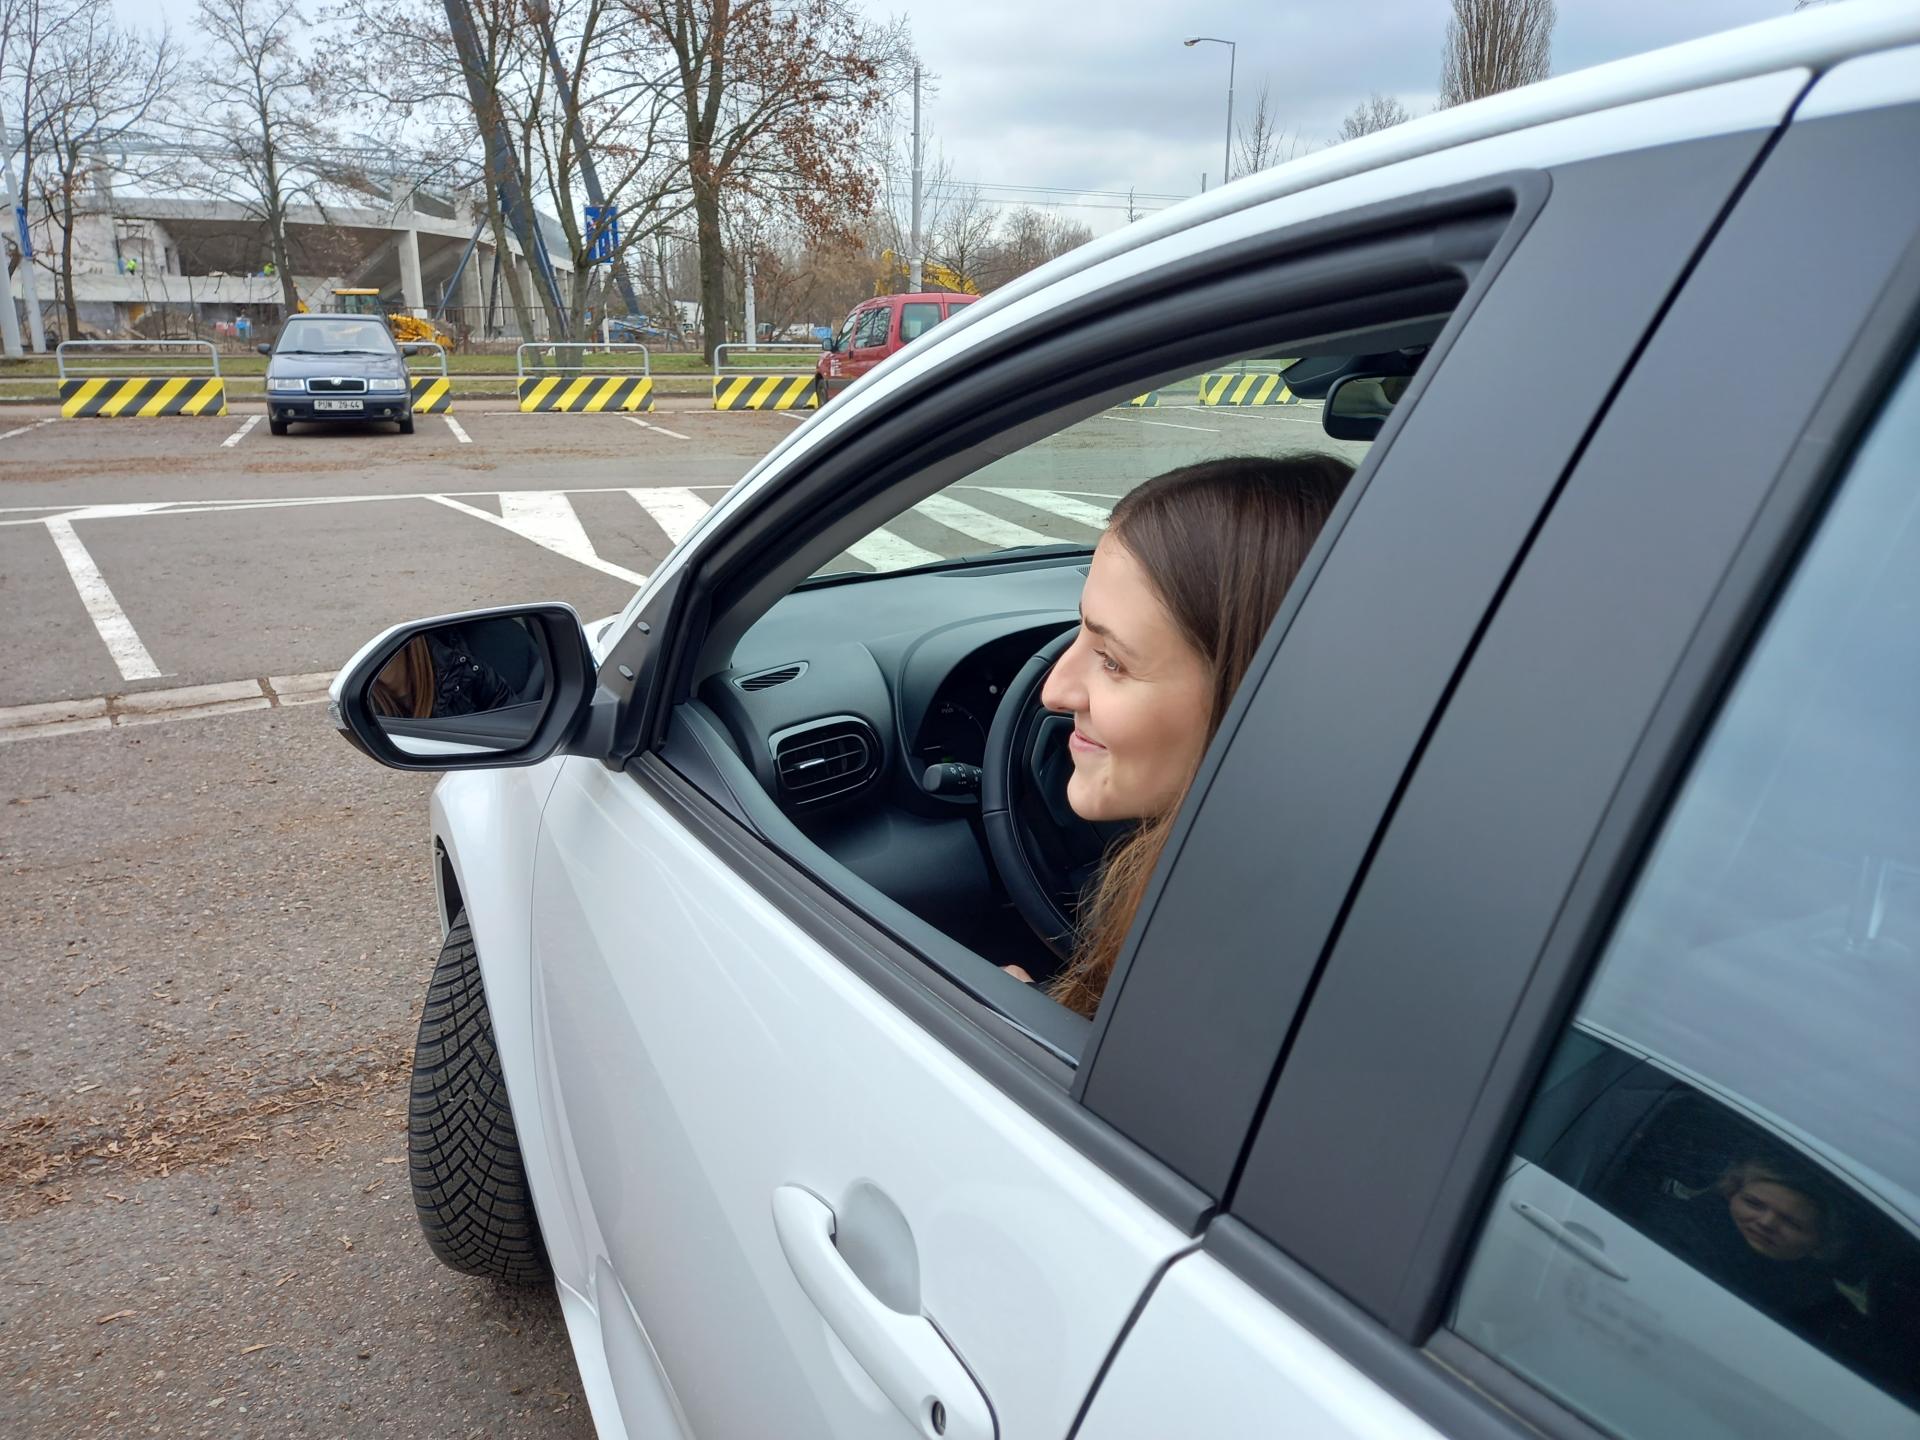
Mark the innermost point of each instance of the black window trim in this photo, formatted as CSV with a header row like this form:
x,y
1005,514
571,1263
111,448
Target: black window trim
x,y
1809,470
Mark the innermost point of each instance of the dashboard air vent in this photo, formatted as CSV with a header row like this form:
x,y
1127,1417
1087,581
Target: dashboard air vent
x,y
827,758
767,679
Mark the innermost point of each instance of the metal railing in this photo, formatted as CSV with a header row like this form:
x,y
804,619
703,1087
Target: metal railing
x,y
571,357
416,346
105,359
721,366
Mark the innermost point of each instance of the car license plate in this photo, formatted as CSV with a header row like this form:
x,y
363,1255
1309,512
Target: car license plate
x,y
339,404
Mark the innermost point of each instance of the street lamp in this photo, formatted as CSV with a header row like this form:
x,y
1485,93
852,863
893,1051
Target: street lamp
x,y
1226,172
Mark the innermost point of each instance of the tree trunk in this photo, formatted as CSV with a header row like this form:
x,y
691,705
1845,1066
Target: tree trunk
x,y
713,264
497,227
66,267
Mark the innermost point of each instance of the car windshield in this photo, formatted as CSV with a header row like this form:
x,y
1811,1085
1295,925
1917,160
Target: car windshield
x,y
335,337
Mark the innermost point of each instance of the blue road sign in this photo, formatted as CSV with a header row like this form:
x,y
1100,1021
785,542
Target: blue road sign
x,y
603,233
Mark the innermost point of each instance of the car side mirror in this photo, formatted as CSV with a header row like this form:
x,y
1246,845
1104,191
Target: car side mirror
x,y
486,689
412,349
1357,406
264,349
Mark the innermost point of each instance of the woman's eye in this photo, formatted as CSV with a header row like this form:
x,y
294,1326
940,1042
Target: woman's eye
x,y
1107,663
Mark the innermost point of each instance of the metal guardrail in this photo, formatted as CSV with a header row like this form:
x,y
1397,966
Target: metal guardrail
x,y
721,367
110,354
581,359
416,346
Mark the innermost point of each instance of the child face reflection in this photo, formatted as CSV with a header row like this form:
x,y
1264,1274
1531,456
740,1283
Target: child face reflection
x,y
1775,1220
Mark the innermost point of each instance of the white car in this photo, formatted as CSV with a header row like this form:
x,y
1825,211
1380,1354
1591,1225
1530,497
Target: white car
x,y
1540,935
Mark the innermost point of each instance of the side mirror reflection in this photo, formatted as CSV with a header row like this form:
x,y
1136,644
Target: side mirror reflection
x,y
467,687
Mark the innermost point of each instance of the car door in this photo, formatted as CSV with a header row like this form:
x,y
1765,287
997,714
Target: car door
x,y
794,1133
871,340
1638,935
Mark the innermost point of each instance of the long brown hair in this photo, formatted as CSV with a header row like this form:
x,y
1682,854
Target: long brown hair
x,y
1220,542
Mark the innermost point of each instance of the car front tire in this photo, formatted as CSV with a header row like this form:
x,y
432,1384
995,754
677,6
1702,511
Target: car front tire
x,y
278,427
406,424
469,1182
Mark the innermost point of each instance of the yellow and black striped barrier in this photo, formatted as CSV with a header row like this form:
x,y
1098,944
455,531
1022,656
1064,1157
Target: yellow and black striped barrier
x,y
432,395
1152,397
764,392
1245,389
586,392
144,395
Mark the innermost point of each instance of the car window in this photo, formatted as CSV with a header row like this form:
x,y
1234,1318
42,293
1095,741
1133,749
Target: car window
x,y
845,339
1058,490
1710,1225
873,327
335,337
917,318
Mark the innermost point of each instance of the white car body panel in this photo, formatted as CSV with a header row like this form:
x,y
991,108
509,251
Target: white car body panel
x,y
699,1051
1207,1355
1212,1356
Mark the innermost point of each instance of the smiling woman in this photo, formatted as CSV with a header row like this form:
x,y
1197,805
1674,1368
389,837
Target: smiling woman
x,y
1191,571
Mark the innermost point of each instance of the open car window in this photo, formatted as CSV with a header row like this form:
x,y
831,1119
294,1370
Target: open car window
x,y
1058,491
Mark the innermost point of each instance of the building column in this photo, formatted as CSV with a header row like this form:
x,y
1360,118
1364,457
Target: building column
x,y
413,292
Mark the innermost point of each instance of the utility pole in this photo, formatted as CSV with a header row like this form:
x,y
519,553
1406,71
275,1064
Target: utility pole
x,y
515,201
913,265
753,326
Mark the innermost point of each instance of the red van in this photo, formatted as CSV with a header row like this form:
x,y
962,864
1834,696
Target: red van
x,y
876,329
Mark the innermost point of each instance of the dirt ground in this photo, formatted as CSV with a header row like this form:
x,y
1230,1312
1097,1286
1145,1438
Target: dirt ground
x,y
219,934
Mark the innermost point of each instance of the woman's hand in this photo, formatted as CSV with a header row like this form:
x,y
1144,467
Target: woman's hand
x,y
1018,974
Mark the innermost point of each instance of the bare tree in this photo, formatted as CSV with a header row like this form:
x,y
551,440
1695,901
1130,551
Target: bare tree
x,y
1495,45
1029,238
30,32
964,240
1376,112
774,98
408,70
263,105
1261,141
105,82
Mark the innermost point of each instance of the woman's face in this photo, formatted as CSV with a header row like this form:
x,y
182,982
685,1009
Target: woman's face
x,y
1776,1220
1139,694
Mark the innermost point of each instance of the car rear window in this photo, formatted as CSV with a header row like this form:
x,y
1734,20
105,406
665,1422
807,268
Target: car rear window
x,y
917,318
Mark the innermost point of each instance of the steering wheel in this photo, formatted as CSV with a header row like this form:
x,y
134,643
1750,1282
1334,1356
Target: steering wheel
x,y
1045,854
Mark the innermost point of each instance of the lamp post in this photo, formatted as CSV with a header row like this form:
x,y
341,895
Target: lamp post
x,y
1233,55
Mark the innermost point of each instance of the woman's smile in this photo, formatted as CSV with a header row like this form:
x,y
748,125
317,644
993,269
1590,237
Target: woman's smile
x,y
1081,745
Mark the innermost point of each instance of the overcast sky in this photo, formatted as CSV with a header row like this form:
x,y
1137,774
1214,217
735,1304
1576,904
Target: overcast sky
x,y
1101,95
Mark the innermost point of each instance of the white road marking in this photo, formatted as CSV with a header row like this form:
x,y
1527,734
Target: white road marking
x,y
205,507
789,415
48,420
675,511
1065,506
458,433
1255,412
108,618
1163,424
657,429
547,532
237,436
884,550
977,523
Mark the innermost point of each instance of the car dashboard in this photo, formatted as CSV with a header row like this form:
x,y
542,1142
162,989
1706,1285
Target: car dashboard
x,y
861,704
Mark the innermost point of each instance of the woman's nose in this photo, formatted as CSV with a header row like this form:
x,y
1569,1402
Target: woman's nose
x,y
1063,692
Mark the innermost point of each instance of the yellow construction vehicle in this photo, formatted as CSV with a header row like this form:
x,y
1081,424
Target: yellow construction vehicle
x,y
896,274
407,329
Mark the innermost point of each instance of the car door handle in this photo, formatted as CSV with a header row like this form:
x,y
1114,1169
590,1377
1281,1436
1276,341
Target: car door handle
x,y
905,1356
1576,1238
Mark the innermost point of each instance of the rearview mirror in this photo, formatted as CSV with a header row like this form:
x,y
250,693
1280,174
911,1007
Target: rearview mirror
x,y
1358,405
264,349
484,689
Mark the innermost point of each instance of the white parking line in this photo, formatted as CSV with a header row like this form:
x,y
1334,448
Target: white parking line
x,y
657,429
1163,424
458,433
675,511
25,428
977,523
237,436
108,618
543,534
211,507
1065,506
884,550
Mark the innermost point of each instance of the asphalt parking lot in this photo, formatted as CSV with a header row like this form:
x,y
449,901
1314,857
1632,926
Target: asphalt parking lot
x,y
220,919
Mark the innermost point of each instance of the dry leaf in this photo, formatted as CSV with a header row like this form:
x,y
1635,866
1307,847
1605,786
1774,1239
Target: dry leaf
x,y
117,1315
264,1345
346,1242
